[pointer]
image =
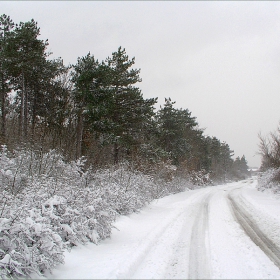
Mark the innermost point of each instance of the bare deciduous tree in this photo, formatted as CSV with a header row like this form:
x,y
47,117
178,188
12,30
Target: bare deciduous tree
x,y
269,149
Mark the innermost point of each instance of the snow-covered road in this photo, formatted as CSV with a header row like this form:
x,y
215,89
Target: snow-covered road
x,y
230,231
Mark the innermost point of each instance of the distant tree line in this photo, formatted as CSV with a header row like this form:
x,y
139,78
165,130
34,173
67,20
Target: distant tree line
x,y
95,109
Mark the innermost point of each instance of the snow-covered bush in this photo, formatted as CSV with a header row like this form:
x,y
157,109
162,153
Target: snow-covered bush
x,y
200,178
48,206
270,180
27,241
12,179
125,190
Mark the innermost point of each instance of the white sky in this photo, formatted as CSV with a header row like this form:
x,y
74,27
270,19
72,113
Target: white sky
x,y
219,59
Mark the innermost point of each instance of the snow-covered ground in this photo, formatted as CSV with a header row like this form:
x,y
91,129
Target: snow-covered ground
x,y
227,231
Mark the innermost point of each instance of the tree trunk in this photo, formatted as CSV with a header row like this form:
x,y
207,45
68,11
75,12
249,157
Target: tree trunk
x,y
34,113
25,114
116,153
79,139
21,108
3,109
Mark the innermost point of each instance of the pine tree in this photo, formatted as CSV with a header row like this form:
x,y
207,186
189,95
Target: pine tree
x,y
28,55
6,27
87,77
178,133
220,155
240,169
243,165
128,112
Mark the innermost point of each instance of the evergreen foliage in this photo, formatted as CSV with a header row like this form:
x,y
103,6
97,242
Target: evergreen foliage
x,y
177,130
240,168
6,26
96,109
128,112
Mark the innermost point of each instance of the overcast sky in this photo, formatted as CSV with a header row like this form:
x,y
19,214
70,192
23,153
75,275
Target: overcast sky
x,y
220,59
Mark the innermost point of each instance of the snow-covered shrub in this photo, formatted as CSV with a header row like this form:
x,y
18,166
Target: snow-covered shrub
x,y
11,177
269,180
74,206
27,242
200,178
180,184
53,210
125,190
48,205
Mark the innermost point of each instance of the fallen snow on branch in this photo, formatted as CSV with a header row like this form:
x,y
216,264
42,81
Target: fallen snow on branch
x,y
48,206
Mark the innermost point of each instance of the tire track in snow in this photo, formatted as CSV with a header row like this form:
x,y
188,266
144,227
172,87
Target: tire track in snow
x,y
177,266
141,252
253,231
156,241
199,266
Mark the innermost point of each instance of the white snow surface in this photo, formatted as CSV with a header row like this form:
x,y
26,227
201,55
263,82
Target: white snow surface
x,y
193,234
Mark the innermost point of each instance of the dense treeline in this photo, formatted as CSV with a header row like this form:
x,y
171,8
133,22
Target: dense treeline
x,y
81,145
95,109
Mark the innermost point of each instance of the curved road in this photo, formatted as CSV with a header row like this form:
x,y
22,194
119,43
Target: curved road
x,y
215,232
